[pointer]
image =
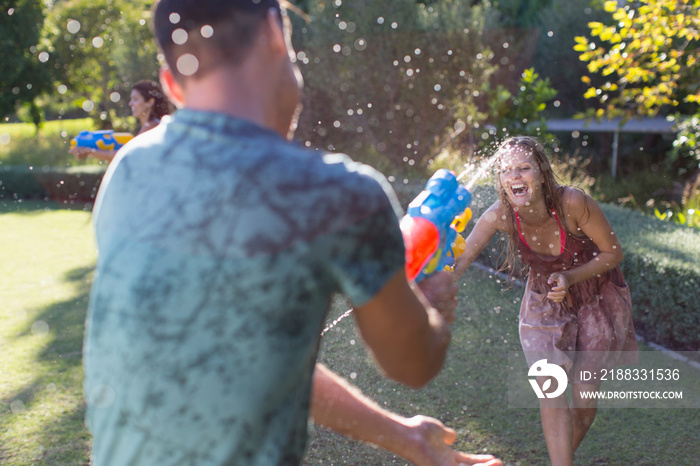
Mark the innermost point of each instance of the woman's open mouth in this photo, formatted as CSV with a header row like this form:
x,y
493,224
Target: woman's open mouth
x,y
518,189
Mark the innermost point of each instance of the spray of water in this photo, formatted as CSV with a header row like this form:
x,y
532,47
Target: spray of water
x,y
483,169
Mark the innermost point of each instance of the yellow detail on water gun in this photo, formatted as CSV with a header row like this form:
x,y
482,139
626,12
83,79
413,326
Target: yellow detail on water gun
x,y
101,140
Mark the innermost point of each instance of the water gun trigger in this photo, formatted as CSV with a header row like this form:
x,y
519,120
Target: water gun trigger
x,y
460,222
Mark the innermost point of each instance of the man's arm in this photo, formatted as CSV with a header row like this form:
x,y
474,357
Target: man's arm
x,y
406,334
422,440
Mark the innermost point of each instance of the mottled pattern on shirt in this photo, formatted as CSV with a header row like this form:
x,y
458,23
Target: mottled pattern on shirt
x,y
220,246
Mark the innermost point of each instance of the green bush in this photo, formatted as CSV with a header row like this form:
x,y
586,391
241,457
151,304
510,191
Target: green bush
x,y
661,266
72,184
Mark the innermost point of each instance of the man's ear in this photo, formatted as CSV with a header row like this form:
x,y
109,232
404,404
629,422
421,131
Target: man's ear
x,y
276,32
171,87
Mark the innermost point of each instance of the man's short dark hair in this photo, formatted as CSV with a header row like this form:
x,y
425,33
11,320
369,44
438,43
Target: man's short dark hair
x,y
212,31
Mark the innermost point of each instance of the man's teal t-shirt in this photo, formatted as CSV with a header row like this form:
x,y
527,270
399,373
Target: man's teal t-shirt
x,y
220,245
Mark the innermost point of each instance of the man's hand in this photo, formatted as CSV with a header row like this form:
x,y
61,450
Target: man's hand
x,y
441,291
430,445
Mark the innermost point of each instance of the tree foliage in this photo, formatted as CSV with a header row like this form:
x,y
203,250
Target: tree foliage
x,y
649,56
99,49
647,60
24,74
520,113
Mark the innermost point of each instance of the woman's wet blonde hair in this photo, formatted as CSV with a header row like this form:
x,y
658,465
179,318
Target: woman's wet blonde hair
x,y
550,187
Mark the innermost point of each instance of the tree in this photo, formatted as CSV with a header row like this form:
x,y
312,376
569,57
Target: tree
x,y
24,73
99,49
647,61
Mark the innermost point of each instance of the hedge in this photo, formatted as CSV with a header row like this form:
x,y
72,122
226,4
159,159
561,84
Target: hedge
x,y
70,184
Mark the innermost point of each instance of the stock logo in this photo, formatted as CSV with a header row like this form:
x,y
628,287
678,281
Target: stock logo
x,y
544,369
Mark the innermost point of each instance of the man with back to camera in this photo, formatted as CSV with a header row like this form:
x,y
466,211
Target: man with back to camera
x,y
220,246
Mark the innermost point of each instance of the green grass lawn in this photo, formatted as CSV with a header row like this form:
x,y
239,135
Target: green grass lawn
x,y
47,258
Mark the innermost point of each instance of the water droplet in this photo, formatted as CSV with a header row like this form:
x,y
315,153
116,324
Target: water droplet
x,y
40,328
17,406
174,18
88,105
97,42
206,31
73,26
43,57
115,97
101,396
179,36
187,64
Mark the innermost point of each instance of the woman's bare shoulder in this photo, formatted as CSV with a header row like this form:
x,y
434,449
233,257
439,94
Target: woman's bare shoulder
x,y
577,206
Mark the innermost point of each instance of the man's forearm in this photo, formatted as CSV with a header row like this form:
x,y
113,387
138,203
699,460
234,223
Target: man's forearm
x,y
337,405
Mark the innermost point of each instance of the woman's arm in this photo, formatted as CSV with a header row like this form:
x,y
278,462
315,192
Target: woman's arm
x,y
82,153
584,217
488,224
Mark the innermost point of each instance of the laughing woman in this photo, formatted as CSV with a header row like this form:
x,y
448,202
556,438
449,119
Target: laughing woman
x,y
576,310
148,104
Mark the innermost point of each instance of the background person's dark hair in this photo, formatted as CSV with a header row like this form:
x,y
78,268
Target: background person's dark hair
x,y
212,31
152,90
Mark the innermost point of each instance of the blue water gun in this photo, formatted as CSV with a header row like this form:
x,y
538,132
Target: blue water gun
x,y
101,140
432,225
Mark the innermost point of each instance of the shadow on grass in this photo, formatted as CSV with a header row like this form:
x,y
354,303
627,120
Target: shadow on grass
x,y
56,391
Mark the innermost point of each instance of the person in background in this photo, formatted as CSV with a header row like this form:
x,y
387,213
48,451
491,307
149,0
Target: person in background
x,y
220,244
148,105
576,311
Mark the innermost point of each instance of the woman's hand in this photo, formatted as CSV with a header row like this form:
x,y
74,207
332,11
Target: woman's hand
x,y
81,153
559,284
